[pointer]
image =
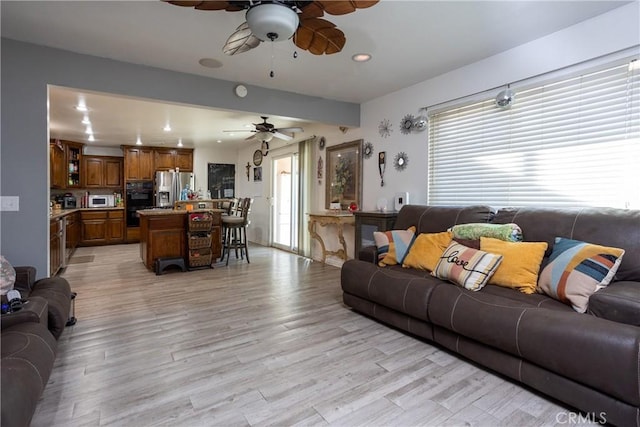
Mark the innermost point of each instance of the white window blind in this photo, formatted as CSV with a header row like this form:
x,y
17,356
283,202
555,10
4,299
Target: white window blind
x,y
574,142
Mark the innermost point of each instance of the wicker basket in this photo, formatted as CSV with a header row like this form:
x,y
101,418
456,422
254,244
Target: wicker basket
x,y
200,225
200,241
200,257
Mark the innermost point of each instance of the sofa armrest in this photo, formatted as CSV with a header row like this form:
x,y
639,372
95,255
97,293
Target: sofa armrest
x,y
368,254
25,278
619,302
33,310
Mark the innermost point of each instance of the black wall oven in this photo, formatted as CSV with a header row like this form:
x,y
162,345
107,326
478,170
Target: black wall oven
x,y
139,196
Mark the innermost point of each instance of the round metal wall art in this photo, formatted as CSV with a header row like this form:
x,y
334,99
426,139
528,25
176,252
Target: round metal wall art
x,y
407,123
401,161
419,123
367,150
384,128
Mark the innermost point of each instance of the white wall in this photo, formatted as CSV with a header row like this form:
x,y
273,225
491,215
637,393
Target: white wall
x,y
605,34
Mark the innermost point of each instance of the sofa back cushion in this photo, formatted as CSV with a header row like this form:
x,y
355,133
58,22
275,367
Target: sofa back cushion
x,y
619,228
434,219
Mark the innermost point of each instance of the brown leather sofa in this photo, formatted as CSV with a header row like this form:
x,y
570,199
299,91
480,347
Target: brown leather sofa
x,y
589,361
28,344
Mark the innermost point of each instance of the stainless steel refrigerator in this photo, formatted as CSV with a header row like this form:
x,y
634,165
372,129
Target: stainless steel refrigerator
x,y
169,186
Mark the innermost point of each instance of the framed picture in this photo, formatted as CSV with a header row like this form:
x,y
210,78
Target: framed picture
x,y
257,173
344,174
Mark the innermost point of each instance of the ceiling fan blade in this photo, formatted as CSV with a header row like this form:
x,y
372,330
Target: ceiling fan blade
x,y
342,7
209,5
319,36
239,130
311,10
282,136
240,41
296,129
250,137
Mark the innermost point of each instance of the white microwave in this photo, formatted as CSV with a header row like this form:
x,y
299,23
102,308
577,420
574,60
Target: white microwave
x,y
97,201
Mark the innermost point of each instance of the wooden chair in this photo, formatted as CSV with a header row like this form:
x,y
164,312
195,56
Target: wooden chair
x,y
235,230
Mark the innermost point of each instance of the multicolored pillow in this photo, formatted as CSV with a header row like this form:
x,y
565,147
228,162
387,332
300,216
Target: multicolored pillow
x,y
466,267
426,250
520,263
393,245
576,270
507,232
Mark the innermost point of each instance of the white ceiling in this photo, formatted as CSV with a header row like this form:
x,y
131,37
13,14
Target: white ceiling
x,y
410,41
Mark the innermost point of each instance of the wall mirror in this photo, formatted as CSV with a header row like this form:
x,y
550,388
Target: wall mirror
x,y
344,174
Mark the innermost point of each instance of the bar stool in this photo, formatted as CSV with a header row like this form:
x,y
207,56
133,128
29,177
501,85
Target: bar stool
x,y
235,230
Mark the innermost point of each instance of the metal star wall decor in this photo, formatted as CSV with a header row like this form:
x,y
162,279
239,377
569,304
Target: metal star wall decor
x,y
384,128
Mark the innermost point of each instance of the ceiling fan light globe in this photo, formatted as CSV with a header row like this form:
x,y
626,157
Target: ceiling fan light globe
x,y
272,21
264,136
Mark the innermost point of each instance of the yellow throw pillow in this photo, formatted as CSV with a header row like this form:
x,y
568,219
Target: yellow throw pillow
x,y
520,263
426,250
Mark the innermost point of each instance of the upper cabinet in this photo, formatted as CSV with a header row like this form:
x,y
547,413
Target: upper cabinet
x,y
138,163
170,158
57,167
102,172
65,159
74,162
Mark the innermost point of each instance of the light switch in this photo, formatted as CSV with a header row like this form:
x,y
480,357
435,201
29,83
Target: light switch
x,y
9,203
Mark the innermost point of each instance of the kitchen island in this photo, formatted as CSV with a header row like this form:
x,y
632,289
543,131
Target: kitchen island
x,y
164,234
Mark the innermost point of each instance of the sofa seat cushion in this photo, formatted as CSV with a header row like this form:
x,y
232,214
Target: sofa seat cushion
x,y
391,288
28,354
619,302
588,350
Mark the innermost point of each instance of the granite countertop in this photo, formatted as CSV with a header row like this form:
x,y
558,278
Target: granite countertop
x,y
159,212
59,213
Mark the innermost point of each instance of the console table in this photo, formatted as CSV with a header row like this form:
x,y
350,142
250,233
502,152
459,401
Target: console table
x,y
329,218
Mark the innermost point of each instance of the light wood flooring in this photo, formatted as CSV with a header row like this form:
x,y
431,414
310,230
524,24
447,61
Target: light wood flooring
x,y
266,343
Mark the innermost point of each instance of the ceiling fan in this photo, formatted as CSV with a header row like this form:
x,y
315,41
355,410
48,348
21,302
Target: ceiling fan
x,y
265,131
279,20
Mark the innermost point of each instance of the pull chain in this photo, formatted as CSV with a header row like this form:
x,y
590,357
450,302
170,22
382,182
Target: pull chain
x,y
272,73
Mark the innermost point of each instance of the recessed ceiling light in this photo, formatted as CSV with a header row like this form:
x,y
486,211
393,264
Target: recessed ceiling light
x,y
180,142
88,131
361,57
219,141
81,107
85,120
167,128
138,141
91,138
210,63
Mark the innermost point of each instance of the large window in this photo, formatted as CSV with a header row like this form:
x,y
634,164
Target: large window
x,y
574,142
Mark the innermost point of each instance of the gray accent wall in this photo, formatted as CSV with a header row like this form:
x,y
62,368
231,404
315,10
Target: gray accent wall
x,y
28,69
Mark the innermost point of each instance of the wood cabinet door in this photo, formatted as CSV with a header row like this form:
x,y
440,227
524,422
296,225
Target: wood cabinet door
x,y
58,173
112,173
73,164
92,168
94,231
131,163
184,160
115,226
146,164
55,255
164,159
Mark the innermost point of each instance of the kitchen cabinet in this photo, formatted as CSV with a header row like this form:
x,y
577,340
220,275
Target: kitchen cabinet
x,y
74,163
55,251
57,165
102,172
169,158
138,163
102,227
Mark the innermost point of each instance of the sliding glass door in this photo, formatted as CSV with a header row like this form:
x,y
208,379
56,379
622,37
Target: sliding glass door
x,y
286,203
